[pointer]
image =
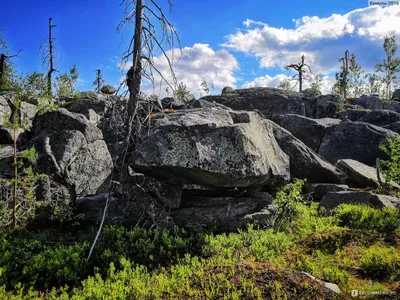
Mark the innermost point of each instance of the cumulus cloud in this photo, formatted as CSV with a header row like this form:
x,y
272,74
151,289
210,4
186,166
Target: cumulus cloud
x,y
268,81
321,40
195,64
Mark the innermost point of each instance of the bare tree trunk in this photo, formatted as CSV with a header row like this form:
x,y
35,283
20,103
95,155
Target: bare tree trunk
x,y
14,212
98,80
134,75
51,69
2,64
300,80
346,71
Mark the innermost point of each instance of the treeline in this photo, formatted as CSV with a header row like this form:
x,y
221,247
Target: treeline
x,y
351,81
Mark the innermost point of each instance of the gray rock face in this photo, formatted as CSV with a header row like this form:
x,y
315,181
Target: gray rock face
x,y
212,147
6,135
6,161
354,140
81,158
269,101
108,89
227,90
353,115
97,103
228,212
393,127
309,131
370,102
359,174
27,113
327,106
396,94
5,110
305,163
334,199
319,190
381,117
392,105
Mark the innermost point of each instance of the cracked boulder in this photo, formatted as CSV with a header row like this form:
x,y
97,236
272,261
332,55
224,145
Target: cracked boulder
x,y
309,131
304,162
212,147
71,151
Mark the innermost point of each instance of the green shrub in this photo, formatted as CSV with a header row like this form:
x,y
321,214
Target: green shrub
x,y
381,263
260,244
391,167
39,265
147,247
363,217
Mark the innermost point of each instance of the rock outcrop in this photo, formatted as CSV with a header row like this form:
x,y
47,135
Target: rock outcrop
x,y
72,150
212,147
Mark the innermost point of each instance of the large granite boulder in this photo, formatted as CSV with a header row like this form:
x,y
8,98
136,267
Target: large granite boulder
x,y
334,199
371,102
318,190
90,103
269,101
309,131
381,117
211,147
71,151
108,89
304,162
392,105
354,140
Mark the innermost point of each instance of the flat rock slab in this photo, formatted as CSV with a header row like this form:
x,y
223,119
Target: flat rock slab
x,y
381,117
359,174
334,199
212,147
227,213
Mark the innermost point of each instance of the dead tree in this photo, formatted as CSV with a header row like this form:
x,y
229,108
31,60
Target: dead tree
x,y
48,56
301,71
99,81
343,75
143,47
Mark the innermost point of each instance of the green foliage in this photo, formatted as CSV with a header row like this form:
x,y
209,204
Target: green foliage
x,y
391,167
390,65
383,221
289,202
316,85
286,84
260,244
151,248
374,84
182,92
379,262
65,214
40,265
80,95
356,82
65,83
35,84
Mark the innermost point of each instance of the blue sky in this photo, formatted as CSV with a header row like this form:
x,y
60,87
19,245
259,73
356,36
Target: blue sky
x,y
236,43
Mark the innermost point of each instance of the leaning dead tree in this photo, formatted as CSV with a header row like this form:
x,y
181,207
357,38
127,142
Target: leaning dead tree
x,y
300,68
48,55
143,47
99,81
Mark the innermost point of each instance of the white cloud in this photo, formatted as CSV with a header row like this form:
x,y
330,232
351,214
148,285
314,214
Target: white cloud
x,y
321,40
196,63
268,81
